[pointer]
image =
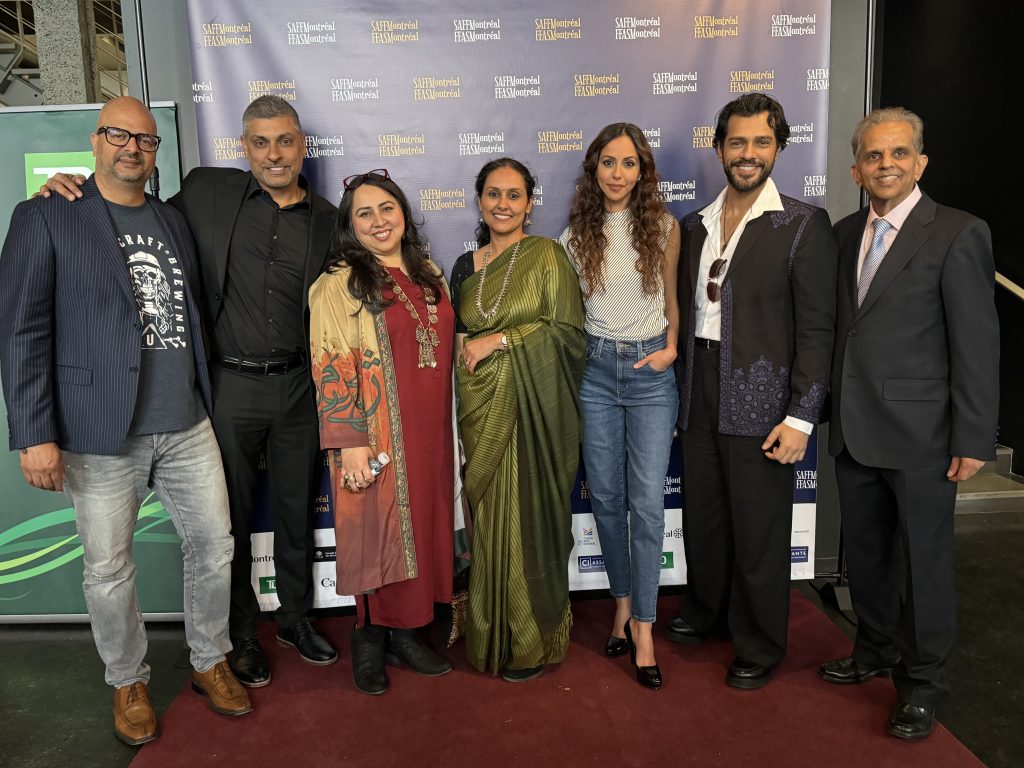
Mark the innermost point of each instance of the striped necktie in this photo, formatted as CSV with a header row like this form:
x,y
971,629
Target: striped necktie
x,y
873,258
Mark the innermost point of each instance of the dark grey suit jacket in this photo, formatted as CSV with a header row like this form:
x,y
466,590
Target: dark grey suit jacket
x,y
915,376
70,334
778,319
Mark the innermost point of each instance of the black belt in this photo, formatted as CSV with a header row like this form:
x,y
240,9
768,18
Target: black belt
x,y
706,343
274,367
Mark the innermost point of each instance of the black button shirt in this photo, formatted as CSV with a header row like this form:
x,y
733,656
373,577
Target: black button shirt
x,y
262,315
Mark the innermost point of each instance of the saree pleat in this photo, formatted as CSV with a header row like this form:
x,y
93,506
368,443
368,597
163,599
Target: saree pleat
x,y
519,421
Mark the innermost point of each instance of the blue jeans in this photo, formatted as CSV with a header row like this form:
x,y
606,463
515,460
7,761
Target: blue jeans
x,y
629,416
184,470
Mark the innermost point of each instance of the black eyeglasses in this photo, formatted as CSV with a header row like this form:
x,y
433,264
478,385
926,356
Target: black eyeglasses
x,y
119,137
380,174
714,289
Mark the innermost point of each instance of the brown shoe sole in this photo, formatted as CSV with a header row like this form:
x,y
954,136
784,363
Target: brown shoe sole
x,y
135,742
230,712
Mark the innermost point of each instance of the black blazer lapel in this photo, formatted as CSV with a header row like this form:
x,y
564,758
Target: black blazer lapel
x,y
227,202
321,229
751,234
849,254
94,214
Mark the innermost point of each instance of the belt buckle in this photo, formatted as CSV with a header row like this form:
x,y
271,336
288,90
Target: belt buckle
x,y
266,367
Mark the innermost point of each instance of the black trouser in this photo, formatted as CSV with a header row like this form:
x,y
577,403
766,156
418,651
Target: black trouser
x,y
275,415
737,528
900,559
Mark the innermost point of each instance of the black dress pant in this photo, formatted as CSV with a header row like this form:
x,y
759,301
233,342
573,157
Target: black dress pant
x,y
274,416
900,560
737,529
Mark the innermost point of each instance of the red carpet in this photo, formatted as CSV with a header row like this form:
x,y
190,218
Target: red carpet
x,y
589,711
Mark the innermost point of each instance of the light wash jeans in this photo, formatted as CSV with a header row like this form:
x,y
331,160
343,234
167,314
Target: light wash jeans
x,y
184,470
628,419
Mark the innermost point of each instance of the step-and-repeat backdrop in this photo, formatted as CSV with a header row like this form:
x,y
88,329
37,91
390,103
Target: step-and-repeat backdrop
x,y
433,91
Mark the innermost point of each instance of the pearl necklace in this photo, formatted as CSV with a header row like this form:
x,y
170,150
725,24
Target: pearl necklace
x,y
489,313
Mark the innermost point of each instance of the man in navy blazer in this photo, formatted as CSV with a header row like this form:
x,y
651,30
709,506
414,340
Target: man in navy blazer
x,y
108,394
915,381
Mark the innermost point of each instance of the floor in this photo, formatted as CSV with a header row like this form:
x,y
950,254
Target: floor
x,y
55,707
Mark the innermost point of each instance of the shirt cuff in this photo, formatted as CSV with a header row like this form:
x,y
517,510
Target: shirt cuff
x,y
804,426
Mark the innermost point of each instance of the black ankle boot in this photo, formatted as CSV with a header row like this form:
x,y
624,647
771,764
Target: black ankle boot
x,y
405,646
369,647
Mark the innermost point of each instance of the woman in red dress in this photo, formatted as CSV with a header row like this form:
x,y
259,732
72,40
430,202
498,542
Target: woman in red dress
x,y
381,335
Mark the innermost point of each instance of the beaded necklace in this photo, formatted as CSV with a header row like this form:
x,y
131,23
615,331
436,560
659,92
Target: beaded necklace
x,y
489,313
426,335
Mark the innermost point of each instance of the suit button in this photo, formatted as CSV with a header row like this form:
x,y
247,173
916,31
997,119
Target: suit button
x,y
853,332
216,297
134,369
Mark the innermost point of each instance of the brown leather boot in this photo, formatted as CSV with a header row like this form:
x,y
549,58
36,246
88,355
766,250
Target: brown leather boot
x,y
134,718
225,694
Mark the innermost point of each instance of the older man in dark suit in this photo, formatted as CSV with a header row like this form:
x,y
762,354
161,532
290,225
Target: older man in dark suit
x,y
914,407
757,292
107,392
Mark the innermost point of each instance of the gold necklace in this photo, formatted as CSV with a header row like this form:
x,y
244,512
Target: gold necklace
x,y
489,313
426,335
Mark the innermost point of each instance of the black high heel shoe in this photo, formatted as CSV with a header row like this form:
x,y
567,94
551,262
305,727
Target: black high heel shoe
x,y
650,677
615,646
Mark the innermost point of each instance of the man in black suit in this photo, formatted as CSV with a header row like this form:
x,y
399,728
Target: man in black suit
x,y
262,238
757,291
914,410
107,391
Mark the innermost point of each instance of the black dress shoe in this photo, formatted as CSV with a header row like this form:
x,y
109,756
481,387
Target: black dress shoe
x,y
522,675
747,674
615,646
910,722
679,631
848,671
312,647
249,663
406,647
649,677
369,648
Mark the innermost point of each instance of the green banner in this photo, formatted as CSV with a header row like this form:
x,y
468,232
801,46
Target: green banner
x,y
40,554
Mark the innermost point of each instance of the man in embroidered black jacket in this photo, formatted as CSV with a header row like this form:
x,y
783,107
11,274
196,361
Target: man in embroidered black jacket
x,y
757,290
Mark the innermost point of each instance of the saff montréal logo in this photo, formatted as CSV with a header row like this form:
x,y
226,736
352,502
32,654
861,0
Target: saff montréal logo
x,y
39,166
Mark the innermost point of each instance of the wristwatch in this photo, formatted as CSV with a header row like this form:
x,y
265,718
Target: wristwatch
x,y
504,341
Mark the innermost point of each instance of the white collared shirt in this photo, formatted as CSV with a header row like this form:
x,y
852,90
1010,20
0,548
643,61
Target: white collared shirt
x,y
709,313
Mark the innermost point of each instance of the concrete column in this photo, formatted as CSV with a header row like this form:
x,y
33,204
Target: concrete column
x,y
65,35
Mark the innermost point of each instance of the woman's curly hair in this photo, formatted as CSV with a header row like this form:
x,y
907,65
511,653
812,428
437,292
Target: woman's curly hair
x,y
587,242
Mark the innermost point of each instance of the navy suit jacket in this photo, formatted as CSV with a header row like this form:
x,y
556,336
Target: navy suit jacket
x,y
778,319
915,378
70,332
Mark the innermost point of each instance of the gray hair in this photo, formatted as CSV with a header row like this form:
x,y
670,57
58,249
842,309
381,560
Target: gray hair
x,y
889,115
267,107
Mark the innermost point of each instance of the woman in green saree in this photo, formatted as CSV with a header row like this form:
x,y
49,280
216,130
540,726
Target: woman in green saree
x,y
521,351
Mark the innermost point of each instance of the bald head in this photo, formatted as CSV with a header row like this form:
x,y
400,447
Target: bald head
x,y
122,165
124,108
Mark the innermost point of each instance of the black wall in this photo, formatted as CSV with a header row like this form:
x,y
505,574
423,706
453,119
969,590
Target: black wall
x,y
957,64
